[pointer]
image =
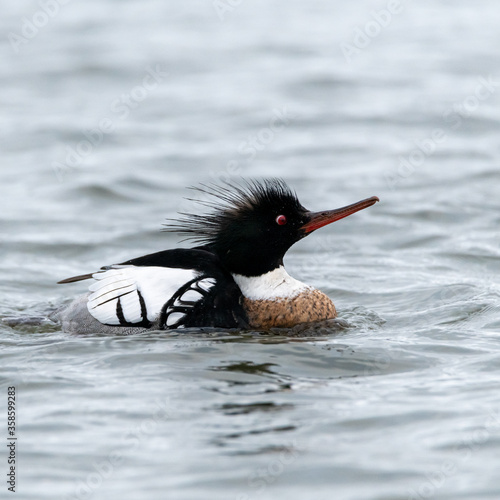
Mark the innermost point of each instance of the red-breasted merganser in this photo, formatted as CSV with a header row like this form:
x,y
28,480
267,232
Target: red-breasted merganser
x,y
234,279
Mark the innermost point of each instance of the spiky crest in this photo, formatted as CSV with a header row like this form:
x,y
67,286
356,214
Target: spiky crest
x,y
229,202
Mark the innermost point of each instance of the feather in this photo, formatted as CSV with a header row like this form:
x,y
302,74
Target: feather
x,y
125,295
81,277
230,203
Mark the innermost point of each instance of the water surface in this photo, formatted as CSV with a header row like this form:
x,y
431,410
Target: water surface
x,y
403,402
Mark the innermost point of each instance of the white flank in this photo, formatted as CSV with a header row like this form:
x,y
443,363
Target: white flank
x,y
275,284
155,284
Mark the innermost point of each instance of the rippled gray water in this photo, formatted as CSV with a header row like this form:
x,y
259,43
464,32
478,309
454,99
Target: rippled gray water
x,y
109,109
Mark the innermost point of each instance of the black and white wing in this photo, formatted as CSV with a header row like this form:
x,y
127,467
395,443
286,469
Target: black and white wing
x,y
133,295
169,289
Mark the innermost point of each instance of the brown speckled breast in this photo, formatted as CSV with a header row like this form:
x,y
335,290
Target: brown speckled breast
x,y
309,306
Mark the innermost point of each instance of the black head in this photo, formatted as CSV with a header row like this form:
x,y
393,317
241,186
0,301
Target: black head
x,y
252,225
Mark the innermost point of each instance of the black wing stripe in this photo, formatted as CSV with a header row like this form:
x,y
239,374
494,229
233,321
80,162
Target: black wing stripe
x,y
113,298
121,317
144,311
128,285
119,312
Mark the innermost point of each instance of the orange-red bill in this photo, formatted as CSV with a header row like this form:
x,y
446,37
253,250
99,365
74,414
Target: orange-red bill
x,y
320,219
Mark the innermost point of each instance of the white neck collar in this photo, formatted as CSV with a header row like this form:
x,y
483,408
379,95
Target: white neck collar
x,y
273,285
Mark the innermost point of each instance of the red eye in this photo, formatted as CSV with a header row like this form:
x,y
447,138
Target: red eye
x,y
281,220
